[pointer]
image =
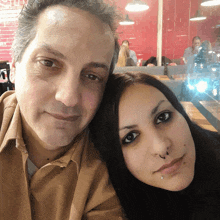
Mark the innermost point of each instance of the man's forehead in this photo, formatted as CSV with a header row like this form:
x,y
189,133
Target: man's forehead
x,y
55,15
59,14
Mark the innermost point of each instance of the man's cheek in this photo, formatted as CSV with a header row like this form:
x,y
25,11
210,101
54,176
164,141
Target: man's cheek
x,y
91,101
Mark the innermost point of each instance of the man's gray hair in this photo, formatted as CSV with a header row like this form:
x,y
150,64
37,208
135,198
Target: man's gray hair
x,y
27,21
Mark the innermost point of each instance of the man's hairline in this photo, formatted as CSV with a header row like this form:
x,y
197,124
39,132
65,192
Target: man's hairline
x,y
35,29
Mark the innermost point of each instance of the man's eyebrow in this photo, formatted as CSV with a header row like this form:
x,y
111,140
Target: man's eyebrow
x,y
97,65
51,50
154,110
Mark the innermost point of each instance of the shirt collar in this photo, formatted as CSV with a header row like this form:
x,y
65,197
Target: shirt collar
x,y
11,127
75,152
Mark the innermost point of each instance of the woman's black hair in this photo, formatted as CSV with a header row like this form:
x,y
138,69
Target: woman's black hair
x,y
139,200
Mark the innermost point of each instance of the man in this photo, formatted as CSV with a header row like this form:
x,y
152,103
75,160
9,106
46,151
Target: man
x,y
216,45
190,51
131,52
64,51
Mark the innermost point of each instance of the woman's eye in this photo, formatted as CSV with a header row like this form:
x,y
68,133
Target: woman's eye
x,y
129,138
47,63
163,117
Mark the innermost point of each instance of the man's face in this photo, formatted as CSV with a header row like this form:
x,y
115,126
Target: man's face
x,y
196,43
62,75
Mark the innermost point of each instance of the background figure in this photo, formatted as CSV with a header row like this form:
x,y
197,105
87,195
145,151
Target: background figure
x,y
162,165
202,62
216,45
197,64
131,52
63,53
204,55
153,60
124,58
190,51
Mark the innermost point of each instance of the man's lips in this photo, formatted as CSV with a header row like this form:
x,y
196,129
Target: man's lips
x,y
65,117
171,167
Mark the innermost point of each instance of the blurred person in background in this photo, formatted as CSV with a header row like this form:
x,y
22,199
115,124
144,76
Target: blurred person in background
x,y
132,54
124,58
216,45
194,49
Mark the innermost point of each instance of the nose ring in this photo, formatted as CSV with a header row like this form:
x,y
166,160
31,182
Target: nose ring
x,y
164,157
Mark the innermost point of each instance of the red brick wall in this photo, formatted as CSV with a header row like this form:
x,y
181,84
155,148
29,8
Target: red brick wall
x,y
7,28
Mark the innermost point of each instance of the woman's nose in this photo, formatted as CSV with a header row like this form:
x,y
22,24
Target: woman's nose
x,y
161,145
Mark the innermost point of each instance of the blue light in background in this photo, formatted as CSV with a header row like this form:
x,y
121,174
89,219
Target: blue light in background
x,y
191,87
201,86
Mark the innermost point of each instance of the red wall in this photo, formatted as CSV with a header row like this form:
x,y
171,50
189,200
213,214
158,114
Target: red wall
x,y
143,34
7,29
178,31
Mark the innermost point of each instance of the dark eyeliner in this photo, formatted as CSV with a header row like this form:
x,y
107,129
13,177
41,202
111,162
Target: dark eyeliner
x,y
131,132
166,121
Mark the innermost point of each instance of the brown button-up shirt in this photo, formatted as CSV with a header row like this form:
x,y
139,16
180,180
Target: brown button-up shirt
x,y
73,187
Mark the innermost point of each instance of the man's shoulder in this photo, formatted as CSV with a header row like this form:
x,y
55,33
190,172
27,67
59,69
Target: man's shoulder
x,y
188,49
7,100
132,52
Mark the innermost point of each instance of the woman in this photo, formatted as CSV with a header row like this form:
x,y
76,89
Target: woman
x,y
124,58
161,164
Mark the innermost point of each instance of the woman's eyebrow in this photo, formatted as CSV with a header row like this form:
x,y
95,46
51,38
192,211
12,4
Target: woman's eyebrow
x,y
154,110
128,127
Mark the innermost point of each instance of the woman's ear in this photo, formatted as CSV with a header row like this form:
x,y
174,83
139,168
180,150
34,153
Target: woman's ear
x,y
12,71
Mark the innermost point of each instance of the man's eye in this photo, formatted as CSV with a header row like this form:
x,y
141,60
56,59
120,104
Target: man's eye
x,y
47,63
92,77
163,117
130,137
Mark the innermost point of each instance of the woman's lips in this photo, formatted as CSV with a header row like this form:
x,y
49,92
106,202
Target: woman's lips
x,y
171,167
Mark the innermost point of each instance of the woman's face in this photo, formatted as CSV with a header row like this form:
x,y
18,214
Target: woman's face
x,y
156,141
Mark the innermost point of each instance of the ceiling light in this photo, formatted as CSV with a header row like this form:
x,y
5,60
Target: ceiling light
x,y
210,2
197,16
136,5
127,21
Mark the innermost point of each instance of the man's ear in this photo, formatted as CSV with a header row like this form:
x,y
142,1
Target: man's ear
x,y
12,71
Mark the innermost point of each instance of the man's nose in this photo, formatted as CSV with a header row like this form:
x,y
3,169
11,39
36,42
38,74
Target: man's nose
x,y
69,91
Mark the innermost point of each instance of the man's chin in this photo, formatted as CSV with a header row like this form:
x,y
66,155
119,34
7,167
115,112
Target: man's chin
x,y
56,143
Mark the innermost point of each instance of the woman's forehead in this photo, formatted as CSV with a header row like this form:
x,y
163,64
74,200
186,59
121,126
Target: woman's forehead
x,y
141,94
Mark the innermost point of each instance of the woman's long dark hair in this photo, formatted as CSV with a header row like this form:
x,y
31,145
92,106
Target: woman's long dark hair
x,y
139,200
